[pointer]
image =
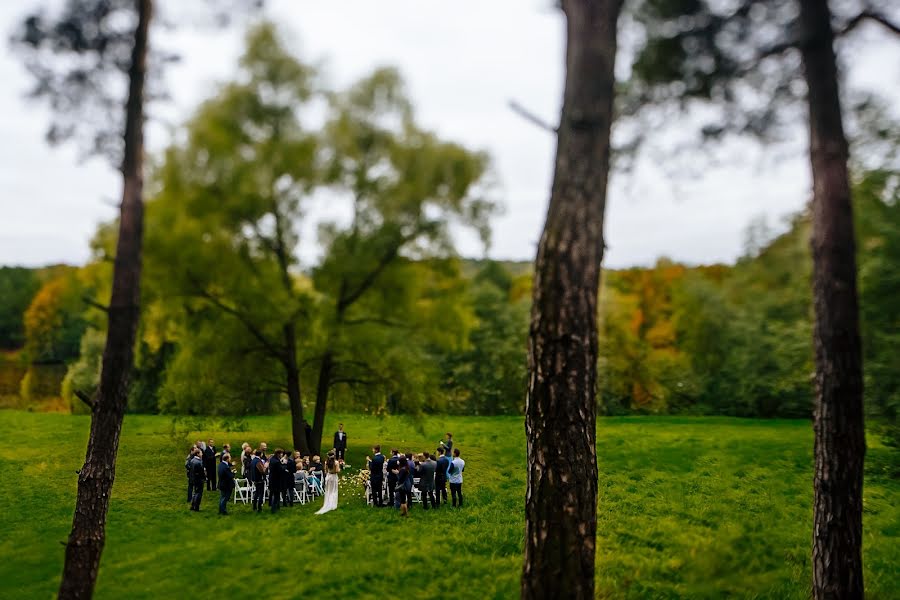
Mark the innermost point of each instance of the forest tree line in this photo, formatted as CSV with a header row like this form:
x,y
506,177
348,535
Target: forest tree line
x,y
390,319
449,334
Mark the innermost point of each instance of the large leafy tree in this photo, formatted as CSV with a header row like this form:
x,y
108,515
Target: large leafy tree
x,y
224,223
406,187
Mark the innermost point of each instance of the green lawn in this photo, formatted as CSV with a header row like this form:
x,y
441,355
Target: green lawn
x,y
698,508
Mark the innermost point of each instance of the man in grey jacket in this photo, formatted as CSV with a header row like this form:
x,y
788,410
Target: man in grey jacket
x,y
427,468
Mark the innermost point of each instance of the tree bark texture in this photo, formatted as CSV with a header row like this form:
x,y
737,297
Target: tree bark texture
x,y
560,420
292,372
95,481
839,430
326,369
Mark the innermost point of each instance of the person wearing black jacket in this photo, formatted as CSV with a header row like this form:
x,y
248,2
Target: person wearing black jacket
x,y
404,486
393,464
340,442
376,476
209,463
276,479
290,467
187,470
440,476
258,477
198,476
226,483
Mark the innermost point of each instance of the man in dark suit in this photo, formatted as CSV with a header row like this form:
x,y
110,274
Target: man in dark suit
x,y
288,488
226,483
393,465
340,442
209,463
198,476
258,477
276,479
440,476
427,469
376,476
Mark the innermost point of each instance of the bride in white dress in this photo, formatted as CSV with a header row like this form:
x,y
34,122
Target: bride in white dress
x,y
332,468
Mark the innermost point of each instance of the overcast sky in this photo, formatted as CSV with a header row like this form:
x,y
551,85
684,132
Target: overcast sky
x,y
462,61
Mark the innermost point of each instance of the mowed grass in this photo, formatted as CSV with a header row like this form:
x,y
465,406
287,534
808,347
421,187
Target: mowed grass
x,y
688,508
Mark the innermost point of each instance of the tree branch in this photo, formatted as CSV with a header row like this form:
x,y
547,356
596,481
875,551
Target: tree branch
x,y
93,303
84,398
251,327
378,320
533,118
344,301
872,16
352,381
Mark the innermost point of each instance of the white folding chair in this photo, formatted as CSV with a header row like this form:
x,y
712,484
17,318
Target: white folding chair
x,y
316,487
416,492
243,490
369,499
300,494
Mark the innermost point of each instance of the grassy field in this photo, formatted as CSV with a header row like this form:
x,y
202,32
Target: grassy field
x,y
689,508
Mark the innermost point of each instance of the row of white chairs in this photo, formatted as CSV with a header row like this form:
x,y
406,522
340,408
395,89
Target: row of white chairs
x,y
416,492
303,491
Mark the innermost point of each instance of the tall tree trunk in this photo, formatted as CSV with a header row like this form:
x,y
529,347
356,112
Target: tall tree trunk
x,y
326,369
560,418
298,431
95,481
840,444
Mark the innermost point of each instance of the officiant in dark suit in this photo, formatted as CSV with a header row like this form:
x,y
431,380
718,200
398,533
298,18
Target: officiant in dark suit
x,y
340,442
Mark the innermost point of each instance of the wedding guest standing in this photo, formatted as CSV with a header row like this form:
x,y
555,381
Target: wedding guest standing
x,y
198,476
340,442
258,476
187,469
209,463
455,477
404,482
226,482
246,459
440,475
427,470
448,445
276,479
376,475
393,464
287,488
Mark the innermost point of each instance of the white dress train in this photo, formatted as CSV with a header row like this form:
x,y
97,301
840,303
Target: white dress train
x,y
331,494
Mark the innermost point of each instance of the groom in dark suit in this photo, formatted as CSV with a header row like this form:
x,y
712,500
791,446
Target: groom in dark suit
x,y
340,442
376,476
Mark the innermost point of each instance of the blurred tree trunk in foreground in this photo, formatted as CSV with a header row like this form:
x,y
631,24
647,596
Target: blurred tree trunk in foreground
x,y
96,478
560,422
840,444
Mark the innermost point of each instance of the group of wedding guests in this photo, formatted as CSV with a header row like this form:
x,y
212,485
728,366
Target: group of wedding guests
x,y
396,476
282,471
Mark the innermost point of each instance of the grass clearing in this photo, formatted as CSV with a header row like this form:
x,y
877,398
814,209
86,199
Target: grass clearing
x,y
689,507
